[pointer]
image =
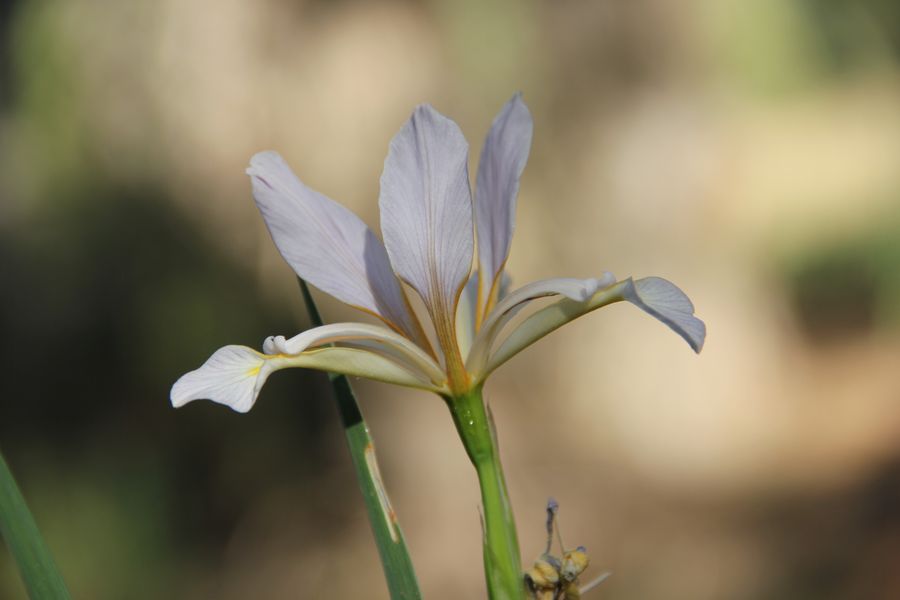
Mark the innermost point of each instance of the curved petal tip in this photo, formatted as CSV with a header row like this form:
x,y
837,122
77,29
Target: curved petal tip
x,y
232,376
662,299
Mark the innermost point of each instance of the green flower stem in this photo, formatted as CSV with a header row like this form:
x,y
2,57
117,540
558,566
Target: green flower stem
x,y
38,569
502,565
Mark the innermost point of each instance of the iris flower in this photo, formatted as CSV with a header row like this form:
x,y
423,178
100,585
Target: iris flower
x,y
464,327
430,226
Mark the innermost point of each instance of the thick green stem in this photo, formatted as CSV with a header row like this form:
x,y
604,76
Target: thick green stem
x,y
502,565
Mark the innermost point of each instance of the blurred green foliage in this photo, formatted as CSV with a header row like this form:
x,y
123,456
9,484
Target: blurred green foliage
x,y
110,295
848,286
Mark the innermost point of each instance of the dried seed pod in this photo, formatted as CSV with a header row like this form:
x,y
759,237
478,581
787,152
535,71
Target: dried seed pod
x,y
544,574
574,563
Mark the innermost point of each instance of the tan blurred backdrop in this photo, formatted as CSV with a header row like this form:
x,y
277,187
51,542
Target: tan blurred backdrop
x,y
747,150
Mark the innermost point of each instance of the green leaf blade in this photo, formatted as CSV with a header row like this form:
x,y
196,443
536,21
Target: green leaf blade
x,y
19,530
395,558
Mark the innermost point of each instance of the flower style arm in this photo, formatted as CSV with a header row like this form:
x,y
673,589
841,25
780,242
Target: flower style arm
x,y
371,337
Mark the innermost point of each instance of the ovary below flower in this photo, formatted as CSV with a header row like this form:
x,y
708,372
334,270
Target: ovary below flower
x,y
429,223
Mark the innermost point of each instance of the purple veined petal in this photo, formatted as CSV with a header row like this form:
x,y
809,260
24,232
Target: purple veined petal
x,y
576,290
426,216
234,375
363,334
426,206
327,245
654,295
500,166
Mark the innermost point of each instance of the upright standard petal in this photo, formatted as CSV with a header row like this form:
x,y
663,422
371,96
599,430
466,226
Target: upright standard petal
x,y
426,217
328,245
426,206
500,166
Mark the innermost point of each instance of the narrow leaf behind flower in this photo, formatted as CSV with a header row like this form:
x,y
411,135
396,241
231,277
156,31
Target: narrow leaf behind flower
x,y
398,568
36,565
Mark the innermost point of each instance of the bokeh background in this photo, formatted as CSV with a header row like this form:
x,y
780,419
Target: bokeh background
x,y
749,150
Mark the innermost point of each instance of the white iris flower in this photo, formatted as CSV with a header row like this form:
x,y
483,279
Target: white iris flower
x,y
430,226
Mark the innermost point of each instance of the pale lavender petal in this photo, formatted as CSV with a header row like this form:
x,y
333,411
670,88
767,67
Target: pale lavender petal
x,y
426,210
232,376
665,301
326,244
502,161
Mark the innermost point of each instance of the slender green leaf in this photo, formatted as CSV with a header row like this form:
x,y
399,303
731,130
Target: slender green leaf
x,y
398,568
36,565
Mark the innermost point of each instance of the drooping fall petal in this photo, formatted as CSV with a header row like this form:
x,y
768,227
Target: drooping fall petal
x,y
326,244
231,376
655,296
576,290
500,166
234,375
665,301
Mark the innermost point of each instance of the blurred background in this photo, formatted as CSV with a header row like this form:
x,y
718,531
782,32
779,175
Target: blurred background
x,y
748,150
